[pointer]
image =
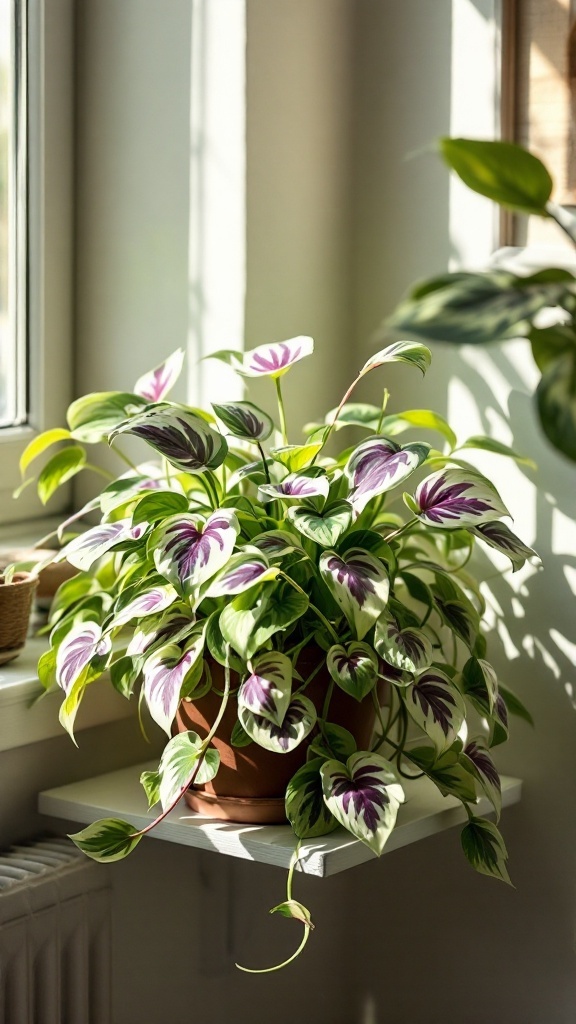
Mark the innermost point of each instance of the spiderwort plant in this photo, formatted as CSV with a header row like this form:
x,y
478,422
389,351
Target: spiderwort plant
x,y
221,551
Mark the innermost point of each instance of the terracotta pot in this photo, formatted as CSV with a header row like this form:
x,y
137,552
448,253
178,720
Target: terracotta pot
x,y
15,607
251,782
49,578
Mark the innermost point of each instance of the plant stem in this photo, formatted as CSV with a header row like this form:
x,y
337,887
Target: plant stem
x,y
205,483
281,412
402,529
122,455
385,397
316,610
101,472
264,463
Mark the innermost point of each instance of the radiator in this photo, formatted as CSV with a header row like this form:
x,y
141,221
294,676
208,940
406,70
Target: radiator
x,y
55,955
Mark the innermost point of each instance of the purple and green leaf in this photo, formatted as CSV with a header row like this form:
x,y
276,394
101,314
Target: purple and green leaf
x,y
86,549
454,498
309,483
275,544
353,668
242,571
180,764
407,649
479,762
274,360
183,438
298,722
165,673
411,352
359,583
188,550
437,707
379,464
484,848
268,689
155,384
500,537
150,602
82,647
364,796
245,420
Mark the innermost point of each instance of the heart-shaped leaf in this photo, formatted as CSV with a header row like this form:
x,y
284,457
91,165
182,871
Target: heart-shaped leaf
x,y
184,439
311,483
500,537
179,765
437,707
165,672
453,498
150,602
86,549
276,543
38,445
360,585
241,572
296,457
324,528
245,420
333,741
305,807
172,628
238,621
158,504
188,549
84,645
267,691
60,468
92,417
379,464
410,352
285,605
407,649
364,796
155,385
298,721
354,668
275,359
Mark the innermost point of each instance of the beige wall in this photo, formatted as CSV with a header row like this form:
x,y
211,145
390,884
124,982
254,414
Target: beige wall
x,y
339,224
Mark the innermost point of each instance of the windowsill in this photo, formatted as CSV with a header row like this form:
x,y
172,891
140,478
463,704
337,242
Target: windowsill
x,y
25,719
119,794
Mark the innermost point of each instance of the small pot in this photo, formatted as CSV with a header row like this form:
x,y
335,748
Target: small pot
x,y
251,783
15,606
49,578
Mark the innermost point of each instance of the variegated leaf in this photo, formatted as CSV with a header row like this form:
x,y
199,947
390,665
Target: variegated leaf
x,y
298,721
184,439
305,807
267,691
333,741
151,602
364,796
484,848
360,585
437,707
188,550
454,498
461,617
411,352
274,360
354,668
245,420
324,528
296,457
276,543
165,672
480,684
84,645
179,765
500,537
172,628
241,572
107,840
309,483
480,763
406,649
155,385
379,464
86,549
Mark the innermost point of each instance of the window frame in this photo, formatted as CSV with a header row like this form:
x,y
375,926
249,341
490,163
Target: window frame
x,y
49,233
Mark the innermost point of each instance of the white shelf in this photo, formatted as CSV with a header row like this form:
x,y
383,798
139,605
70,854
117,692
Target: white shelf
x,y
119,794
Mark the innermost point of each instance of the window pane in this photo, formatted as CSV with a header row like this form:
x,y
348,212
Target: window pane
x,y
12,215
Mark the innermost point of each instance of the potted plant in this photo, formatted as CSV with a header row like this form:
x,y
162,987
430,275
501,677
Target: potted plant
x,y
16,597
255,596
498,304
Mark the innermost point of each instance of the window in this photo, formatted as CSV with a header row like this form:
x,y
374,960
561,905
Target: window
x,y
35,231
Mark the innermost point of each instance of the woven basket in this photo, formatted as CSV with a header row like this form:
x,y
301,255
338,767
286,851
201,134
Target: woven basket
x,y
15,606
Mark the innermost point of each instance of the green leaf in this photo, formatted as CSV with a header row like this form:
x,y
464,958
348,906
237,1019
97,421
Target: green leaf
x,y
240,617
239,736
353,414
296,456
107,840
480,683
333,741
556,403
324,528
501,171
92,417
39,444
179,763
474,308
47,668
551,343
410,352
421,418
291,908
123,674
515,705
150,781
219,647
157,505
284,607
488,444
305,807
446,771
60,468
484,848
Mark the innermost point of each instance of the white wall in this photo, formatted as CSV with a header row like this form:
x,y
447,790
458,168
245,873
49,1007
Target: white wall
x,y
339,223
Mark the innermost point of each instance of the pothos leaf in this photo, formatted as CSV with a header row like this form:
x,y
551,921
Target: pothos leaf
x,y
364,796
484,848
245,420
407,649
276,359
453,498
354,668
189,549
267,690
379,464
155,384
479,762
107,840
165,673
179,765
360,585
410,352
324,528
436,706
305,807
298,721
183,438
